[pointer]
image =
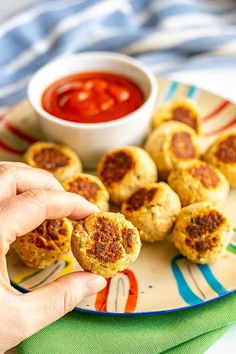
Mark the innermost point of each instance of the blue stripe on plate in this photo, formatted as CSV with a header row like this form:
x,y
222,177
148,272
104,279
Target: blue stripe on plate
x,y
211,279
191,92
184,290
171,91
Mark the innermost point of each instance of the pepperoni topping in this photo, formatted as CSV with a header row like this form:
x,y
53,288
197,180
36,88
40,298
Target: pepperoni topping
x,y
115,167
201,231
128,240
107,241
201,246
54,228
183,147
40,229
186,116
140,198
205,224
84,187
227,150
49,234
206,175
50,159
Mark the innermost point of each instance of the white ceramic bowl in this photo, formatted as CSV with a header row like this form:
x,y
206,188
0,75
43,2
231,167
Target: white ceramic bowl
x,y
90,141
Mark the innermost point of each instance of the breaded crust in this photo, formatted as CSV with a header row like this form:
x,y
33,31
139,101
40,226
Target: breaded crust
x,y
58,159
201,233
171,144
197,181
152,209
124,170
90,187
184,111
222,154
46,244
105,243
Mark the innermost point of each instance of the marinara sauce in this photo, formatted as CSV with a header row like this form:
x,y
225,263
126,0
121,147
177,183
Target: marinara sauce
x,y
92,97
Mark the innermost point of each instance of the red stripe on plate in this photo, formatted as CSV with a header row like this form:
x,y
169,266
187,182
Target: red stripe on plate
x,y
8,148
217,110
131,302
221,129
13,129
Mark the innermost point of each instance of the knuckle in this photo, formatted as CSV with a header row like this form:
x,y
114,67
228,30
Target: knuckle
x,y
5,212
37,195
70,295
69,301
38,199
5,169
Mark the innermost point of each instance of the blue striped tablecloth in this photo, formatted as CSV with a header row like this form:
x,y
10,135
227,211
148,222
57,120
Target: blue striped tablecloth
x,y
170,36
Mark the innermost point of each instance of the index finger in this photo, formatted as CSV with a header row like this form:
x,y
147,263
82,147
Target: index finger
x,y
26,211
18,179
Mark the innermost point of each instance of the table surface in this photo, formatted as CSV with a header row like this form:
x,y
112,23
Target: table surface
x,y
217,82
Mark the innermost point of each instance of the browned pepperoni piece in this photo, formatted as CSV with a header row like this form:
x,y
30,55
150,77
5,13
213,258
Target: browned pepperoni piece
x,y
52,228
206,175
200,231
40,229
186,116
140,197
40,243
182,145
50,237
227,150
205,224
50,159
116,166
84,187
107,241
128,239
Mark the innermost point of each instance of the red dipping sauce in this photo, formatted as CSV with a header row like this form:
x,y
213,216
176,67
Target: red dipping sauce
x,y
92,97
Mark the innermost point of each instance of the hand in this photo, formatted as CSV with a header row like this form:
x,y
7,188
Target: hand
x,y
28,196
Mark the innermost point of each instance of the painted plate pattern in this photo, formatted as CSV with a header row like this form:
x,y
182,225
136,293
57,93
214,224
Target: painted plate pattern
x,y
160,280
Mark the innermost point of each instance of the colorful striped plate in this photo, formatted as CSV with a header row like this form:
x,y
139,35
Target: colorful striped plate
x,y
160,280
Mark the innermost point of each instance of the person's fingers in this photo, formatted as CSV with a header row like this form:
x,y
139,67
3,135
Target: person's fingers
x,y
15,164
28,210
18,179
47,304
3,269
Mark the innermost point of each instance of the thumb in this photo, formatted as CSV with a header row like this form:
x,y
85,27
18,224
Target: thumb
x,y
45,305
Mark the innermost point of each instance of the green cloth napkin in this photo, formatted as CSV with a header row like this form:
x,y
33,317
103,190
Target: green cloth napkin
x,y
191,331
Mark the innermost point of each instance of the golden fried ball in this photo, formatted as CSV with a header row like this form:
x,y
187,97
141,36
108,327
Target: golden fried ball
x,y
58,159
105,243
152,209
222,154
184,111
90,187
201,233
171,144
197,181
46,244
124,170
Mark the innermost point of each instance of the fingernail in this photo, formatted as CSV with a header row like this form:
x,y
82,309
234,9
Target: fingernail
x,y
95,284
94,207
